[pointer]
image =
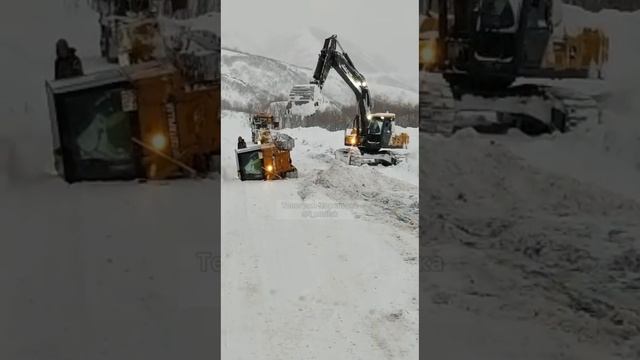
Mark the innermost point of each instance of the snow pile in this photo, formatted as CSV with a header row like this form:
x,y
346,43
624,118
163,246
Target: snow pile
x,y
606,154
408,169
391,200
283,141
306,109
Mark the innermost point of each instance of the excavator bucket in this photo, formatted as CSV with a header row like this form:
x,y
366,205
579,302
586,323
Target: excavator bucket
x,y
304,94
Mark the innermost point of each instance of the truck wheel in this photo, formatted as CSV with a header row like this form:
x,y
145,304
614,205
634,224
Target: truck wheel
x,y
293,174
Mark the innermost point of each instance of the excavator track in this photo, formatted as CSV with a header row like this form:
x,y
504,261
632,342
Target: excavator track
x,y
579,107
437,107
534,109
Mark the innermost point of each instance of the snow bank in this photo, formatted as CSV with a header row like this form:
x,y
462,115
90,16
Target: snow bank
x,y
606,154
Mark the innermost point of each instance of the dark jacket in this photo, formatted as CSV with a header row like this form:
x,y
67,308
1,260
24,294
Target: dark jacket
x,y
68,64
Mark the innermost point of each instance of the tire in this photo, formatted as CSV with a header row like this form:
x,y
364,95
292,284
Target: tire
x,y
293,174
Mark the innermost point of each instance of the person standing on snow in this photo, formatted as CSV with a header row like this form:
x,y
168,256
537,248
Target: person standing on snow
x,y
68,64
241,143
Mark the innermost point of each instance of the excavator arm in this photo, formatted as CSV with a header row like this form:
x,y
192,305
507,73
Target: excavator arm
x,y
333,56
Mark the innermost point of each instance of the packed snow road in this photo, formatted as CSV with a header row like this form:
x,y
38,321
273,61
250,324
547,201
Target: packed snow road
x,y
323,266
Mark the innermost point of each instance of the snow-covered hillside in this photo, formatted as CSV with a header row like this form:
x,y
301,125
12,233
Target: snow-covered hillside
x,y
540,237
324,266
248,79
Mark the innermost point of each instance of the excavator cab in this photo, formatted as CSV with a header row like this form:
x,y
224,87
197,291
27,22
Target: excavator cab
x,y
372,137
380,130
482,46
478,39
389,137
521,31
380,134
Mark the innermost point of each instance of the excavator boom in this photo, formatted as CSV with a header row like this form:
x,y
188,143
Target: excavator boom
x,y
369,139
332,56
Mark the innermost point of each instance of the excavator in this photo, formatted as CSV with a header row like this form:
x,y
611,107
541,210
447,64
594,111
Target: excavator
x,y
481,47
371,139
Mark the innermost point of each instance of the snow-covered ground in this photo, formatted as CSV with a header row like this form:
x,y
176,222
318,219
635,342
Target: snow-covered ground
x,y
539,237
90,271
323,266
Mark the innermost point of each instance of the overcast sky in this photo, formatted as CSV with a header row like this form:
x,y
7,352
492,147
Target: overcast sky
x,y
388,28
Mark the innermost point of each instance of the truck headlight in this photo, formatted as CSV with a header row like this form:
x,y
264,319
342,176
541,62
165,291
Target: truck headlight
x,y
428,55
159,141
269,168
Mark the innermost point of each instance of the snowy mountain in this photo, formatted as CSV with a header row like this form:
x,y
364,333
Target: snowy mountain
x,y
301,45
249,79
264,68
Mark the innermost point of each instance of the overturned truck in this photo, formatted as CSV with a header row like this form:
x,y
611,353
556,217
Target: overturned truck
x,y
144,121
268,161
